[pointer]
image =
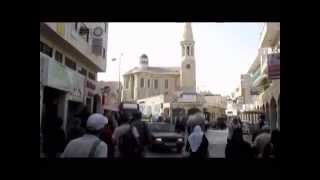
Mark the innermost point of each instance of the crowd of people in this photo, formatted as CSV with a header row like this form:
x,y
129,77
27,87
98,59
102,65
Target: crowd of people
x,y
125,135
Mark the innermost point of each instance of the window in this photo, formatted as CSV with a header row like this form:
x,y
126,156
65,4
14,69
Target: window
x,y
183,50
76,26
105,27
58,56
71,64
104,52
166,83
188,66
44,48
92,76
188,53
141,82
156,84
84,32
83,71
148,83
127,83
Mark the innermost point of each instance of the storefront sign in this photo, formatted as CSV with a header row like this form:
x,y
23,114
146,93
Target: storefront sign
x,y
274,66
54,75
77,86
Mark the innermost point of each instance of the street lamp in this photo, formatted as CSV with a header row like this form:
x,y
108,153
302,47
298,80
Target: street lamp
x,y
119,88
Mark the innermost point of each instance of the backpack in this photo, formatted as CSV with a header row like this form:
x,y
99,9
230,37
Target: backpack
x,y
129,145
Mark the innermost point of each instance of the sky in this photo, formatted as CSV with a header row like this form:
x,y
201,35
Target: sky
x,y
223,51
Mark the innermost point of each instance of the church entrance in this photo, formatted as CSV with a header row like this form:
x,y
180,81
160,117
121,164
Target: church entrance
x,y
193,111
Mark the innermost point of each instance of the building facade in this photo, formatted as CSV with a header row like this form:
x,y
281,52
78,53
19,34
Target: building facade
x,y
146,81
173,88
215,105
265,75
111,94
71,55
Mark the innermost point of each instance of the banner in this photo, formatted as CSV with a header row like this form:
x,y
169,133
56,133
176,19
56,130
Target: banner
x,y
97,46
54,74
254,91
274,66
77,86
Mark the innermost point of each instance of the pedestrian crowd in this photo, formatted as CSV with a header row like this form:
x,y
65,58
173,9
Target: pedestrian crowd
x,y
125,135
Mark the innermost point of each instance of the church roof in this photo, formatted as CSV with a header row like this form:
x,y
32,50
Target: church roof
x,y
155,70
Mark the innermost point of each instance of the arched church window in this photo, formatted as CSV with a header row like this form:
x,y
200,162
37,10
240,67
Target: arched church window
x,y
183,50
188,52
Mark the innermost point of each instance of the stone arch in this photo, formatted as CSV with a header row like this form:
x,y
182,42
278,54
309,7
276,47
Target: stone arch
x,y
193,111
267,113
273,113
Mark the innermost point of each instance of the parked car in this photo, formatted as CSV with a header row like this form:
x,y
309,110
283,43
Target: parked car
x,y
164,137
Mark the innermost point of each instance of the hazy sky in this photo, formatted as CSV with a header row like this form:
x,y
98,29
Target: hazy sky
x,y
223,51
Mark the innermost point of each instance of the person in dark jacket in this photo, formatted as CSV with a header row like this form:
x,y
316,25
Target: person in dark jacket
x,y
84,115
54,139
143,130
258,129
179,127
76,131
237,147
197,143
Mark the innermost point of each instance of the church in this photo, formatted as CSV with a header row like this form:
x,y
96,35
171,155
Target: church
x,y
166,91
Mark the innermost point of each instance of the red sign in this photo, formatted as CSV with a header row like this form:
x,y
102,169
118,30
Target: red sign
x,y
274,66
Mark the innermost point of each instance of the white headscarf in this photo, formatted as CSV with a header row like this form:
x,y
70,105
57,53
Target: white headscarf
x,y
195,138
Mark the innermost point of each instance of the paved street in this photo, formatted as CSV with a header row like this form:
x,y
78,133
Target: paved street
x,y
173,154
169,154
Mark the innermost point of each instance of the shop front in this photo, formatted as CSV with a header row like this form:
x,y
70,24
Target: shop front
x,y
54,86
75,97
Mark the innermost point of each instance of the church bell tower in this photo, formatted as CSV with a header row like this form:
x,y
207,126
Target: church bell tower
x,y
188,66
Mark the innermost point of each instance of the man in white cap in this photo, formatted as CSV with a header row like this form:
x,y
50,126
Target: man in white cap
x,y
89,145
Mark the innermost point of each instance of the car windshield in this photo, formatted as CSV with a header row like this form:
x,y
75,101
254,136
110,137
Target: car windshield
x,y
160,127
